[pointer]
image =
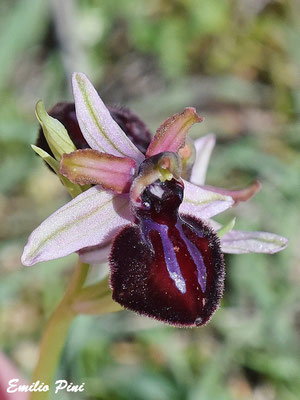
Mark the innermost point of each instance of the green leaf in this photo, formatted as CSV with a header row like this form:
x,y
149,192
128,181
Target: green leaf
x,y
55,133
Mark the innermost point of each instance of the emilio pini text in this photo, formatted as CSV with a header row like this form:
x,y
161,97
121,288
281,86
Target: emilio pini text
x,y
60,385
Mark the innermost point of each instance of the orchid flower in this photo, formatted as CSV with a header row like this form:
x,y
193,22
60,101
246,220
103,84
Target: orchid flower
x,y
166,259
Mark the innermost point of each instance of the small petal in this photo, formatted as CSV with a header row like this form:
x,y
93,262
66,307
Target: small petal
x,y
239,242
171,135
204,147
237,195
97,125
203,203
162,167
92,167
55,133
93,217
95,254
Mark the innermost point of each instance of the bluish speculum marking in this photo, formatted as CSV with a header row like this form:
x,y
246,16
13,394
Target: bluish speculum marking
x,y
197,258
169,252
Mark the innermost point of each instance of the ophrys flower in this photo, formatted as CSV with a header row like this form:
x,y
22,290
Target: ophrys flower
x,y
166,262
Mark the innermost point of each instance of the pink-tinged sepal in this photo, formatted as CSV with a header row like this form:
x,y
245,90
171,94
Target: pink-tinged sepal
x,y
171,135
92,167
167,266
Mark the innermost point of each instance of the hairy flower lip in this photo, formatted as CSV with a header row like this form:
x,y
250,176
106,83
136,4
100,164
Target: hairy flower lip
x,y
174,270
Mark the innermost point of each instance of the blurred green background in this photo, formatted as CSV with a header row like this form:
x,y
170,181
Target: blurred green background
x,y
238,62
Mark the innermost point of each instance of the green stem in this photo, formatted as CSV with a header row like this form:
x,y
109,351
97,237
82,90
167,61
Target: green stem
x,y
56,332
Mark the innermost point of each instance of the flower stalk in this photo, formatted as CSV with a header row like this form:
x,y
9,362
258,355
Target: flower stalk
x,y
56,332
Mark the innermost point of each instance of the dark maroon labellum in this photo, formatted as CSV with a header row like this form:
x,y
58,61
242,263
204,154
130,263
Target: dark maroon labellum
x,y
167,266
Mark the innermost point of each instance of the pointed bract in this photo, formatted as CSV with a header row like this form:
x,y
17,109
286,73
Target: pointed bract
x,y
97,125
171,135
